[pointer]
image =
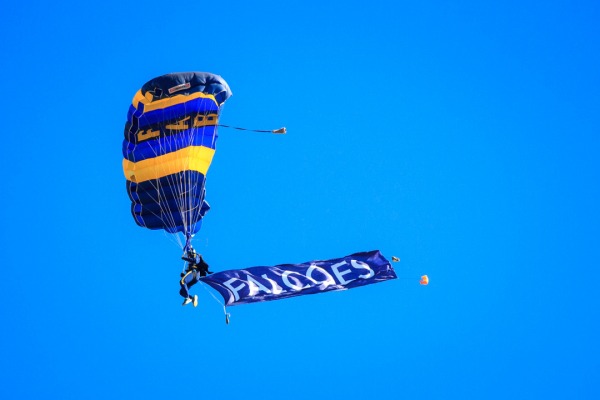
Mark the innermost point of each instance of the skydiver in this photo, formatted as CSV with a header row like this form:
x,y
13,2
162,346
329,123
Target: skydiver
x,y
195,269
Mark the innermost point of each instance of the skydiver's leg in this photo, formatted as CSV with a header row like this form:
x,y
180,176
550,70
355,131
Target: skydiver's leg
x,y
186,283
184,292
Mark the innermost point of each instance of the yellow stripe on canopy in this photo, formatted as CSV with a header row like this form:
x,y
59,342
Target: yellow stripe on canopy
x,y
150,105
192,158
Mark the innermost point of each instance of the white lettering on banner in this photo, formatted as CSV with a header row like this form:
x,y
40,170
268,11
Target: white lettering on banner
x,y
297,285
274,286
234,290
256,286
340,275
363,265
317,276
328,280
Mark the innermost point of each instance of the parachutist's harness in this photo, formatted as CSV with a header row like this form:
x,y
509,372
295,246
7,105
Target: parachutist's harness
x,y
197,264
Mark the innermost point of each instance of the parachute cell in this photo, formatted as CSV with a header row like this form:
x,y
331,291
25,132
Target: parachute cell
x,y
170,138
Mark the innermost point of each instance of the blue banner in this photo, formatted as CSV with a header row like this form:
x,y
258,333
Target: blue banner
x,y
257,284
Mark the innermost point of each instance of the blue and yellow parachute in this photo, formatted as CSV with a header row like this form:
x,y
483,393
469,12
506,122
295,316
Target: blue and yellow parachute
x,y
170,138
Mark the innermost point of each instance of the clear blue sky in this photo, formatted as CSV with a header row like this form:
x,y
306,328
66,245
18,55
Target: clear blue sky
x,y
463,138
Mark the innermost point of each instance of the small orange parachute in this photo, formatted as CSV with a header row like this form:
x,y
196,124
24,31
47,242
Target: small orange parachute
x,y
424,280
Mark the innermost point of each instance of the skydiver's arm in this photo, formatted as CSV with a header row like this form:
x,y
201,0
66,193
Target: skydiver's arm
x,y
203,263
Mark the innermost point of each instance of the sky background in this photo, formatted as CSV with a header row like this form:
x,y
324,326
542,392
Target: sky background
x,y
462,137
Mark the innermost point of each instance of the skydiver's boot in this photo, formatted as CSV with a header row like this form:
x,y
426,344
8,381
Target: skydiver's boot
x,y
195,300
187,301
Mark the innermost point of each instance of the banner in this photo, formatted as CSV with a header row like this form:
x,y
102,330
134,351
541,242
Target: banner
x,y
257,284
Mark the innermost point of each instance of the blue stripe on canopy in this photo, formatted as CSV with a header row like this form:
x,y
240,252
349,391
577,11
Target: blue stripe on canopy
x,y
201,105
205,136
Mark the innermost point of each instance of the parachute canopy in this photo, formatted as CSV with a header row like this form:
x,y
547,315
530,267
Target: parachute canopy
x,y
170,138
